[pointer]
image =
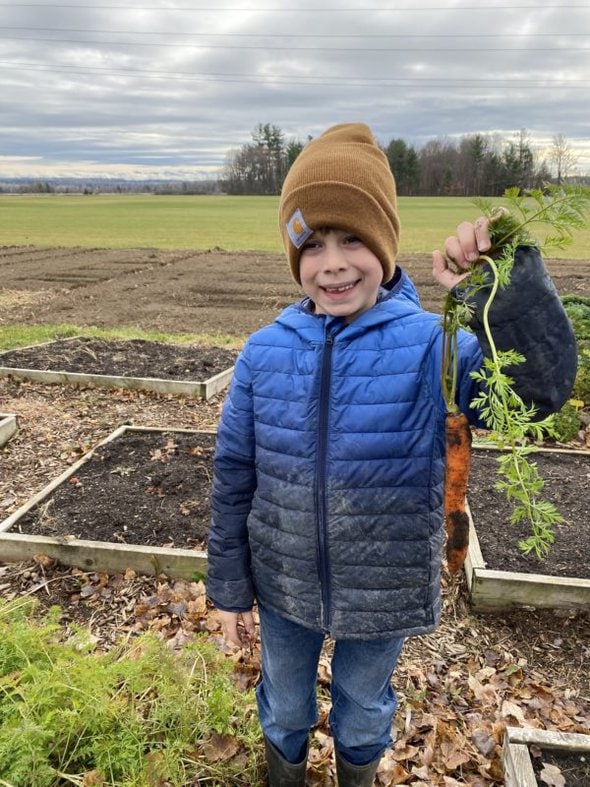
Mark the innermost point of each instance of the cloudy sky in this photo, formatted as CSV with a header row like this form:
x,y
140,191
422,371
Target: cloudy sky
x,y
166,88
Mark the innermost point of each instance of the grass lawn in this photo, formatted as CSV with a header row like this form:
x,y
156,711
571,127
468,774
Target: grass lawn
x,y
204,222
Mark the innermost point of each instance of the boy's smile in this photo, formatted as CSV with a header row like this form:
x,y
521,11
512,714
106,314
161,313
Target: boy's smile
x,y
339,273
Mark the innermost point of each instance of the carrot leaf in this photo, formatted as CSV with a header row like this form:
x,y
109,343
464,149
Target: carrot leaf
x,y
513,425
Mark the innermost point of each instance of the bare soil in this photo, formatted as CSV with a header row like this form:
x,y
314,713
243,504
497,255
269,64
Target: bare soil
x,y
153,488
573,767
149,488
181,291
132,358
566,479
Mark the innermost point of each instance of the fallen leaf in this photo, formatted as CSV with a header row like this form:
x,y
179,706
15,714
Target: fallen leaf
x,y
220,747
453,756
393,774
92,779
510,709
552,776
44,560
403,751
483,742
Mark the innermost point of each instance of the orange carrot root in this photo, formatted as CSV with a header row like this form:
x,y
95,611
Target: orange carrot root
x,y
457,467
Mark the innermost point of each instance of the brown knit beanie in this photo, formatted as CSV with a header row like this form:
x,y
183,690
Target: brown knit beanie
x,y
341,180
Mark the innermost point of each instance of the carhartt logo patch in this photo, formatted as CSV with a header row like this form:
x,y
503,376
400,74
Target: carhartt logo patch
x,y
298,230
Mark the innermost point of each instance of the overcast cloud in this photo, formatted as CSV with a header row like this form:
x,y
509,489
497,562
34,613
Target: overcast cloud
x,y
142,88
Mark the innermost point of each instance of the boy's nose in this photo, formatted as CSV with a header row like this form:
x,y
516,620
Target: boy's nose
x,y
334,258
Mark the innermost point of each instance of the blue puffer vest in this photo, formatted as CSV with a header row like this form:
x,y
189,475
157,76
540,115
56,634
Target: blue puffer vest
x,y
327,496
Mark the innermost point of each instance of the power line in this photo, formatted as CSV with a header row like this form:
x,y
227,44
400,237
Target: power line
x,y
296,48
196,9
292,35
285,79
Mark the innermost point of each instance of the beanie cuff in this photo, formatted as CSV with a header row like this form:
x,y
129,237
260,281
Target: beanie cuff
x,y
343,206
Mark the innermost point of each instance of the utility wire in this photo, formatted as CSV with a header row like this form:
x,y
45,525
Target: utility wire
x,y
162,74
321,81
292,35
196,9
298,48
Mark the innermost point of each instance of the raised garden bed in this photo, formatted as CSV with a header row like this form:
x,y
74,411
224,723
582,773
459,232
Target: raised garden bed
x,y
153,366
139,499
527,753
499,575
8,427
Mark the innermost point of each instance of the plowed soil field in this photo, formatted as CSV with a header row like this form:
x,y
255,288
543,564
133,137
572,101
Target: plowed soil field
x,y
181,291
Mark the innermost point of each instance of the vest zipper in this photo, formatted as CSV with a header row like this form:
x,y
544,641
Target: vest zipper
x,y
321,505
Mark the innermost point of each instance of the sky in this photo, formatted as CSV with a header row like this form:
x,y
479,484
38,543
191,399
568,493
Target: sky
x,y
169,88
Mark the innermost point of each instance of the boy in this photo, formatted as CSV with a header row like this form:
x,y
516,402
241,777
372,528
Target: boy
x,y
327,495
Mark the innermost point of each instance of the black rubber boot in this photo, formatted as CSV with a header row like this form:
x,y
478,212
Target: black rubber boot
x,y
350,775
281,772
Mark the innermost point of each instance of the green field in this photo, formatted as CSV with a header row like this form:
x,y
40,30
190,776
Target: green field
x,y
206,222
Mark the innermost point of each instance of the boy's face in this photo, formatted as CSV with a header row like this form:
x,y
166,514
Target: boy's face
x,y
339,273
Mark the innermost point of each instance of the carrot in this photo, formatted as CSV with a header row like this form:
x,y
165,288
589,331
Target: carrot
x,y
457,467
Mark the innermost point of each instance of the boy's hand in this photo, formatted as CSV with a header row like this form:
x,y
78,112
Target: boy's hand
x,y
229,626
461,251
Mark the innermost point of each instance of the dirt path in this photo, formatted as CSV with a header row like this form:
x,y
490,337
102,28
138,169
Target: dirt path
x,y
181,291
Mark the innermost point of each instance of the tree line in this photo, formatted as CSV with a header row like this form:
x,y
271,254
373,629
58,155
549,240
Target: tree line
x,y
476,164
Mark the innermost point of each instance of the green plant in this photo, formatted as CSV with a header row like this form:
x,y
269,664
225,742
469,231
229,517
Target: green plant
x,y
136,716
566,423
582,384
12,336
511,422
578,310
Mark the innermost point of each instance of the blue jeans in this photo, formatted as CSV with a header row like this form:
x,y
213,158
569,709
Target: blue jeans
x,y
363,701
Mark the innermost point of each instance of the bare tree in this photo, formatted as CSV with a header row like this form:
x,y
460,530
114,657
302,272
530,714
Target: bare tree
x,y
562,157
